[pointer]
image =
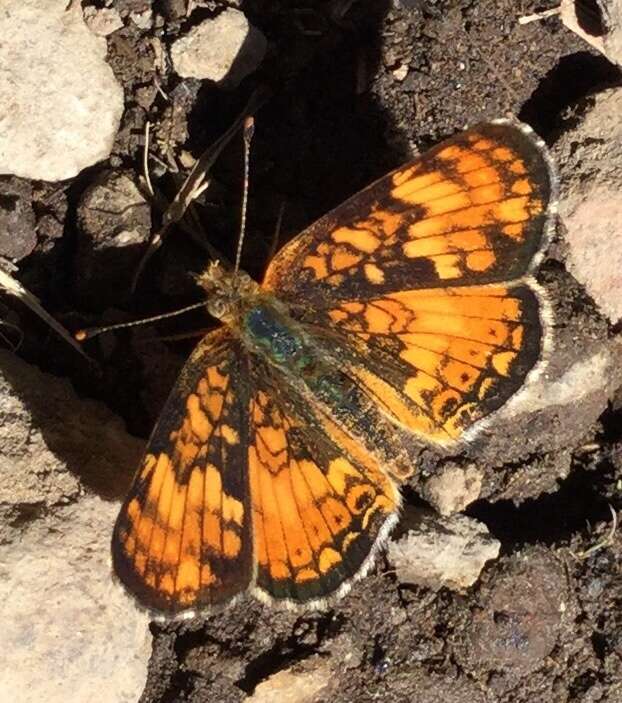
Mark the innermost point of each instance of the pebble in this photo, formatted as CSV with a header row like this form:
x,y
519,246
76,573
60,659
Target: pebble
x,y
17,219
454,488
294,685
64,102
114,221
102,21
447,553
224,49
400,73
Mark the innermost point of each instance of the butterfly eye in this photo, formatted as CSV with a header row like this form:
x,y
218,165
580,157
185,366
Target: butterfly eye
x,y
245,283
217,307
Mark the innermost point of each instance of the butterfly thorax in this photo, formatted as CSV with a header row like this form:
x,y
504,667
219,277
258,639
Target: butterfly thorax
x,y
260,320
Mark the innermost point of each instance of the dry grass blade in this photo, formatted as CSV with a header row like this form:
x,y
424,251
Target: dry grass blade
x,y
13,287
603,542
538,16
196,181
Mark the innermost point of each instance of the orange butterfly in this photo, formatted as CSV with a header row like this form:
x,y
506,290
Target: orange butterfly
x,y
404,316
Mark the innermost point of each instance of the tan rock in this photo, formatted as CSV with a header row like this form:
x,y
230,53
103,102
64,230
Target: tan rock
x,y
70,634
300,685
454,489
590,159
224,49
63,101
597,22
449,552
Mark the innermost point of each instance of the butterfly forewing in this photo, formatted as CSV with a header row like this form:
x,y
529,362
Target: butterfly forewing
x,y
183,537
470,211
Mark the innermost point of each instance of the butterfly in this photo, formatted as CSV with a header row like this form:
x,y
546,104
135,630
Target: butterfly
x,y
402,318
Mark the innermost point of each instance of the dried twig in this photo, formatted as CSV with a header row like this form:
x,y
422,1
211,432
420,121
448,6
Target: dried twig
x,y
146,159
196,182
538,16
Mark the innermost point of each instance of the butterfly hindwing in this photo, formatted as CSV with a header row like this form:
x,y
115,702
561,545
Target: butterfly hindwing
x,y
471,211
321,505
183,535
436,361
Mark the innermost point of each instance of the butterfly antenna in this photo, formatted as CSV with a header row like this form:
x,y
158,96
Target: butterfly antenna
x,y
90,332
249,130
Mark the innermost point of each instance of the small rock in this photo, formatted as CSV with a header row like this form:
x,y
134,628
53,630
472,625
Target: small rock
x,y
590,158
102,21
50,201
521,614
70,633
174,9
443,553
65,103
600,25
224,49
299,685
347,650
114,221
400,73
143,19
454,489
17,219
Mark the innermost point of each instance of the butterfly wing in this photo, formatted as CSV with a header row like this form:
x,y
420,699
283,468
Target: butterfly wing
x,y
183,535
242,487
321,505
473,210
420,283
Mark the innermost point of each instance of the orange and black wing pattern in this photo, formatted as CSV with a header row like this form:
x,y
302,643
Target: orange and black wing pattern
x,y
473,210
420,284
320,503
183,538
242,487
436,361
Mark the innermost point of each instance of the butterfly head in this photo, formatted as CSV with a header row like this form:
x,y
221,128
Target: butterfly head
x,y
228,292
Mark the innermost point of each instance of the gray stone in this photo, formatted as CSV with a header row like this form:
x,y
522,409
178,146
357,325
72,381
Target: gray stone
x,y
224,49
114,222
524,609
70,633
17,219
62,103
